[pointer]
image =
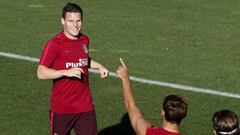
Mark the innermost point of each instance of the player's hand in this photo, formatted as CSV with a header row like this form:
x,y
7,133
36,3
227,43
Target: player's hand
x,y
122,70
73,72
103,72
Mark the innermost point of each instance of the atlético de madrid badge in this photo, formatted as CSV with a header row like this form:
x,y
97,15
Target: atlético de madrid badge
x,y
85,49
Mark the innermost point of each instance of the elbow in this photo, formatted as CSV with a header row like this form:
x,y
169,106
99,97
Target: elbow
x,y
40,76
129,105
40,73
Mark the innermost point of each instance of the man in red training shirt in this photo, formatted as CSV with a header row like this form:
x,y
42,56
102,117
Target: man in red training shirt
x,y
65,59
173,111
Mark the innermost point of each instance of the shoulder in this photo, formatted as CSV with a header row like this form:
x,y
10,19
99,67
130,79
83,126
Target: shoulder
x,y
152,130
55,40
141,126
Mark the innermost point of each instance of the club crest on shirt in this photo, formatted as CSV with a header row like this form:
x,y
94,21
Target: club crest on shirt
x,y
84,47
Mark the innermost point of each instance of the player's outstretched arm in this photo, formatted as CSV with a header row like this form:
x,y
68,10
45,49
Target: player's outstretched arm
x,y
44,72
138,123
102,70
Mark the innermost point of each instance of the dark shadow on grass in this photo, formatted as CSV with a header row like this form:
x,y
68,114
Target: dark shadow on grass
x,y
123,128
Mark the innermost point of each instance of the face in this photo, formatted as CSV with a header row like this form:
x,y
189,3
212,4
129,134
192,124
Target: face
x,y
72,24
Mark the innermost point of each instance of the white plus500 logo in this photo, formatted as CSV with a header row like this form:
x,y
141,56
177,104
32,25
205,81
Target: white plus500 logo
x,y
81,63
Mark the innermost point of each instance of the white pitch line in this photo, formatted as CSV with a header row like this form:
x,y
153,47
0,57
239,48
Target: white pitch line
x,y
140,80
36,6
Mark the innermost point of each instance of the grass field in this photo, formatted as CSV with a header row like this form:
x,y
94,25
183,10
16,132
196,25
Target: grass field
x,y
189,42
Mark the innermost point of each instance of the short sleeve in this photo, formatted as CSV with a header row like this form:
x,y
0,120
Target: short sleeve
x,y
49,53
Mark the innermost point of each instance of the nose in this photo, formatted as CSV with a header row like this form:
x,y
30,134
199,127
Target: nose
x,y
75,24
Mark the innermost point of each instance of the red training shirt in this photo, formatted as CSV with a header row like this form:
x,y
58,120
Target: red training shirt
x,y
159,131
69,95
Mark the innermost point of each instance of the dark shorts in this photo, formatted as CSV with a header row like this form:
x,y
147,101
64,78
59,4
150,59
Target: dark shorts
x,y
82,123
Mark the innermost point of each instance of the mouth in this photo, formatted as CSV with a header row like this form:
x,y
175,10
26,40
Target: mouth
x,y
75,29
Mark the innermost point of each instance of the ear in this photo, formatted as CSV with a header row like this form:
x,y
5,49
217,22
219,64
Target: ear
x,y
63,21
162,113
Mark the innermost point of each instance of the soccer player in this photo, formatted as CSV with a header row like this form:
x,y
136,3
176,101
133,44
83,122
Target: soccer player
x,y
173,111
225,122
65,59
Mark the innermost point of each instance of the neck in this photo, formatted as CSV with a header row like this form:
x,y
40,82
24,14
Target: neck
x,y
172,127
70,36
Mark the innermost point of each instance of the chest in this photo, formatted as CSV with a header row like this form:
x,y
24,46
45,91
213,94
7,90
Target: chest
x,y
73,50
72,54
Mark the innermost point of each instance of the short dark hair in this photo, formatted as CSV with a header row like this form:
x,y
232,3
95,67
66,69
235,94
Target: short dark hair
x,y
175,108
225,122
71,7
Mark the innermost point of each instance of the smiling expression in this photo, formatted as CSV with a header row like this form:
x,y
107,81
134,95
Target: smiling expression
x,y
72,24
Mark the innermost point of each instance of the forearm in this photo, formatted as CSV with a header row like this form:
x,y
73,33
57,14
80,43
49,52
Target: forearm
x,y
127,93
48,73
95,64
102,70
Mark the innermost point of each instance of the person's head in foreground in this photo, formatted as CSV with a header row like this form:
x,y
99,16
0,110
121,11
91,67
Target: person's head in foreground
x,y
174,108
225,122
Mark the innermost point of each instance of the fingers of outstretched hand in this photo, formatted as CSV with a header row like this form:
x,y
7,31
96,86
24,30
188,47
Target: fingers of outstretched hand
x,y
122,62
121,71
